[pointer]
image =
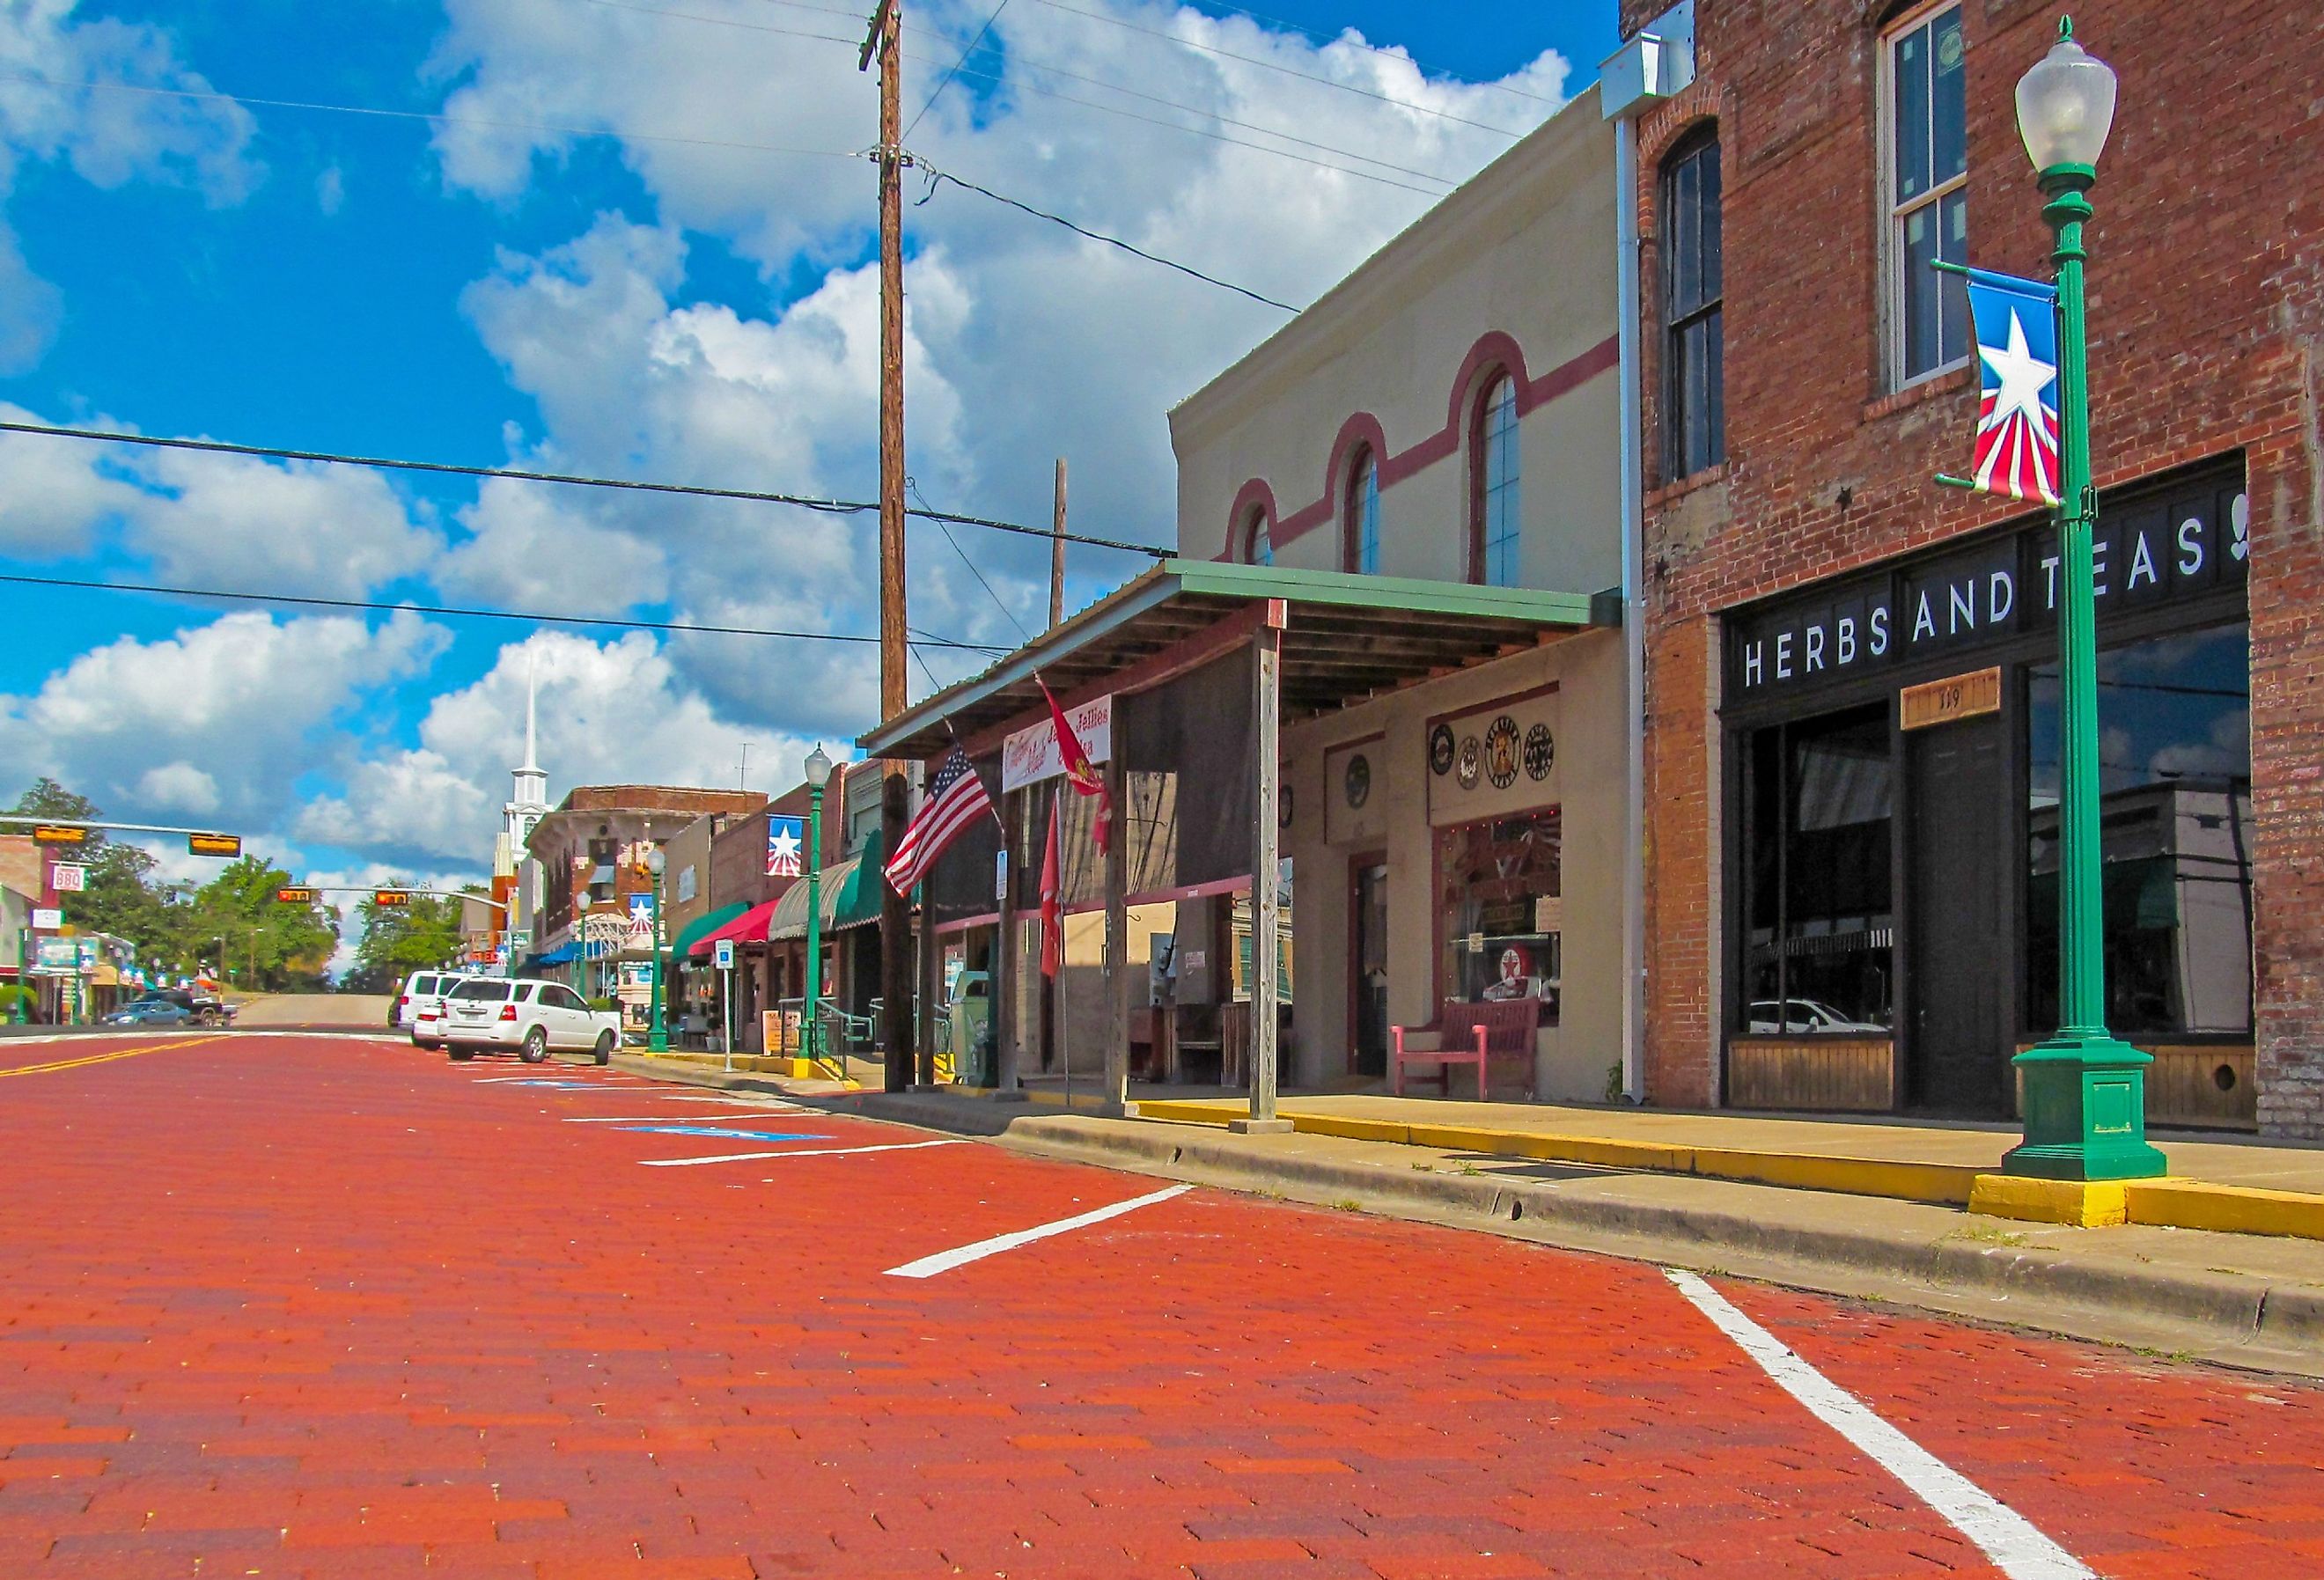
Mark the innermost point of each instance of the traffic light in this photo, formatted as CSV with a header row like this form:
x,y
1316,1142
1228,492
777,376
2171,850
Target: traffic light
x,y
293,894
388,899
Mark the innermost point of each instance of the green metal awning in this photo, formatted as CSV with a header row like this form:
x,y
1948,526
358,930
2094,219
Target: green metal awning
x,y
1345,638
850,892
708,923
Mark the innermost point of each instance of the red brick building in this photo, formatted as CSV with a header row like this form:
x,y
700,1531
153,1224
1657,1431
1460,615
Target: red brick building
x,y
1848,909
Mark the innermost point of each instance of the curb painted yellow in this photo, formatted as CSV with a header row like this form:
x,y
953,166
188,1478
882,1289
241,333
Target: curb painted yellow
x,y
2232,1209
1947,1184
2079,1203
1189,1113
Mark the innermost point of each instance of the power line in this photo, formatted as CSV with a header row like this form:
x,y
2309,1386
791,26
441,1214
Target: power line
x,y
959,66
1276,66
966,50
936,176
1393,53
1008,613
460,612
804,502
1032,65
427,115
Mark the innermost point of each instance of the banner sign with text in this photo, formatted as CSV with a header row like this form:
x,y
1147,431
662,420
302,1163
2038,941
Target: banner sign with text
x,y
2157,547
1031,755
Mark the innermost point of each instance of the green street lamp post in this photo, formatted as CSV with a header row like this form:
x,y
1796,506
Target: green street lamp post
x,y
2084,1089
818,773
657,1040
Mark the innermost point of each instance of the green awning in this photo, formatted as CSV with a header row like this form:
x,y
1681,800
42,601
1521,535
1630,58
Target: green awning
x,y
708,923
849,890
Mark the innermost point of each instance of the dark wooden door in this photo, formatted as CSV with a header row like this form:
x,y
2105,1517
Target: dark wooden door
x,y
1959,1043
1369,961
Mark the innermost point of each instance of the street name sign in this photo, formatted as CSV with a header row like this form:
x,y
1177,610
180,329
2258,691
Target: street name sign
x,y
225,845
57,834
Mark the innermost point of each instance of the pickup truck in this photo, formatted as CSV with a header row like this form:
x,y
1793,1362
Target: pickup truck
x,y
205,1007
527,1014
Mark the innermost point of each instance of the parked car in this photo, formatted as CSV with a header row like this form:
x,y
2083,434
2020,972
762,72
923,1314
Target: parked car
x,y
202,1007
418,989
149,1011
1807,1017
531,1016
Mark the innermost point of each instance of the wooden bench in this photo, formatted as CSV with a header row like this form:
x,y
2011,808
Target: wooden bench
x,y
1472,1034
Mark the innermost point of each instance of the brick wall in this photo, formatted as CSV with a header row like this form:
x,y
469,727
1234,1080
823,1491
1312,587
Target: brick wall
x,y
2206,319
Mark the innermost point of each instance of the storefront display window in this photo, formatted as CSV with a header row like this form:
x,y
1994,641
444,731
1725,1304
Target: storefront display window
x,y
2174,746
1819,925
1500,894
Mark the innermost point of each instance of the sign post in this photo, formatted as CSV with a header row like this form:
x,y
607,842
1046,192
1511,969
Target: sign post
x,y
726,961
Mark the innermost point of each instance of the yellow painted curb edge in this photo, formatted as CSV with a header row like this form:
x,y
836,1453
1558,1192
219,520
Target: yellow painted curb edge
x,y
2231,1209
2079,1203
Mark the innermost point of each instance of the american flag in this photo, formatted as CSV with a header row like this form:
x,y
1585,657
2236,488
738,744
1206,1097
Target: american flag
x,y
956,799
2016,323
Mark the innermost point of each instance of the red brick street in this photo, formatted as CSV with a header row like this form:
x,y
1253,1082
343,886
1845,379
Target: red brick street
x,y
286,1305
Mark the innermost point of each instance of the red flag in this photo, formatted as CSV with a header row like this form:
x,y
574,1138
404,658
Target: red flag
x,y
1080,772
1052,911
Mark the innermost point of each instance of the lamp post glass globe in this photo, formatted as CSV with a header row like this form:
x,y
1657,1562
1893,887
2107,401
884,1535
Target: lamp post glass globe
x,y
819,769
2065,106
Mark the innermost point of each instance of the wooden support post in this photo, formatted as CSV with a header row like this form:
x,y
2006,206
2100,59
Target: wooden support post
x,y
931,994
1115,1100
1265,902
1057,552
1007,961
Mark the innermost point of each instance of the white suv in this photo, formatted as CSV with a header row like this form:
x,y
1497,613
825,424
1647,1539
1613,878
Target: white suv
x,y
529,1015
403,1014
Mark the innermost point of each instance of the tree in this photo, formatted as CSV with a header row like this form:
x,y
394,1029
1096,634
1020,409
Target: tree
x,y
48,798
268,945
117,899
399,939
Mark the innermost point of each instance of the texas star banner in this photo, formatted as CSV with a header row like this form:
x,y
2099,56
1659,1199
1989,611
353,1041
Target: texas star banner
x,y
2016,325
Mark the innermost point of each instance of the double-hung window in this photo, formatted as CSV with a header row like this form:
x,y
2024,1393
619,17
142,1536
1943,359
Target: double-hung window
x,y
1927,182
1694,373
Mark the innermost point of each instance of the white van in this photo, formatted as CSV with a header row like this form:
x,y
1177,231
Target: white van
x,y
417,988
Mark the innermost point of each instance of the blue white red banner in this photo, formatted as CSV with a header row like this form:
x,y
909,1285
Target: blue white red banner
x,y
786,846
2016,324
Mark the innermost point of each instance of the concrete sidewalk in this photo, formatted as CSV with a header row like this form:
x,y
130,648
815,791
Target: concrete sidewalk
x,y
2245,1299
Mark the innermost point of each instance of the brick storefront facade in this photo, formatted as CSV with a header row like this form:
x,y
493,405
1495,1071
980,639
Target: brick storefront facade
x,y
2207,328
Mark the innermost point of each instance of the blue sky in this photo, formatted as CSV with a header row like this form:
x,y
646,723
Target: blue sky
x,y
511,293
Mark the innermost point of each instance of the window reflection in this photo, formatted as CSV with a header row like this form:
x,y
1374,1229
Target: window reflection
x,y
1500,888
1818,922
2174,780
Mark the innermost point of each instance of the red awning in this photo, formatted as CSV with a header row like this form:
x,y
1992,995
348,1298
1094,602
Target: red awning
x,y
750,927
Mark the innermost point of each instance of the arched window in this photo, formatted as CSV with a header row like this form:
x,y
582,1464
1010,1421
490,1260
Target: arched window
x,y
1694,379
1258,544
1493,529
1362,535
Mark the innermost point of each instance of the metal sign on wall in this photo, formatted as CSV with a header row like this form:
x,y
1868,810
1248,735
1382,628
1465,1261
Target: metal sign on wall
x,y
1031,755
2160,546
1498,757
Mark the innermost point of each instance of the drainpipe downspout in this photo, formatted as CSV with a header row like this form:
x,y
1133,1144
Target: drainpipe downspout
x,y
1634,626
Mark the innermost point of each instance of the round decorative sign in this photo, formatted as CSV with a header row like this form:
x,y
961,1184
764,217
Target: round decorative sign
x,y
1440,750
1501,752
1357,781
1541,752
1472,760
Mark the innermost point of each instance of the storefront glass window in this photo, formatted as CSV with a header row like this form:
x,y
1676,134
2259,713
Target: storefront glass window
x,y
1819,944
1500,888
2174,777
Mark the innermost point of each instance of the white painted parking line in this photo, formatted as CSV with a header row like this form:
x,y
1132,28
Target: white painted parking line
x,y
666,1118
2017,1548
927,1267
814,1152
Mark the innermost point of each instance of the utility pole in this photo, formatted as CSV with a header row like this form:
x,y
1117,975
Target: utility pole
x,y
742,774
886,40
1057,552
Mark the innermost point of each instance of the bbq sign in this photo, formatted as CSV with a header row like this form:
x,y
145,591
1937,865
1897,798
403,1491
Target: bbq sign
x,y
2163,547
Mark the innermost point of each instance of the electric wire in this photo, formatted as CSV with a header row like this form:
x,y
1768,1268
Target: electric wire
x,y
936,177
1007,613
464,612
1324,35
1122,22
212,96
393,464
945,81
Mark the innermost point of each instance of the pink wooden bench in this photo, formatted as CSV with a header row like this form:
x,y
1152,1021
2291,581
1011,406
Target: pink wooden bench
x,y
1473,1034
